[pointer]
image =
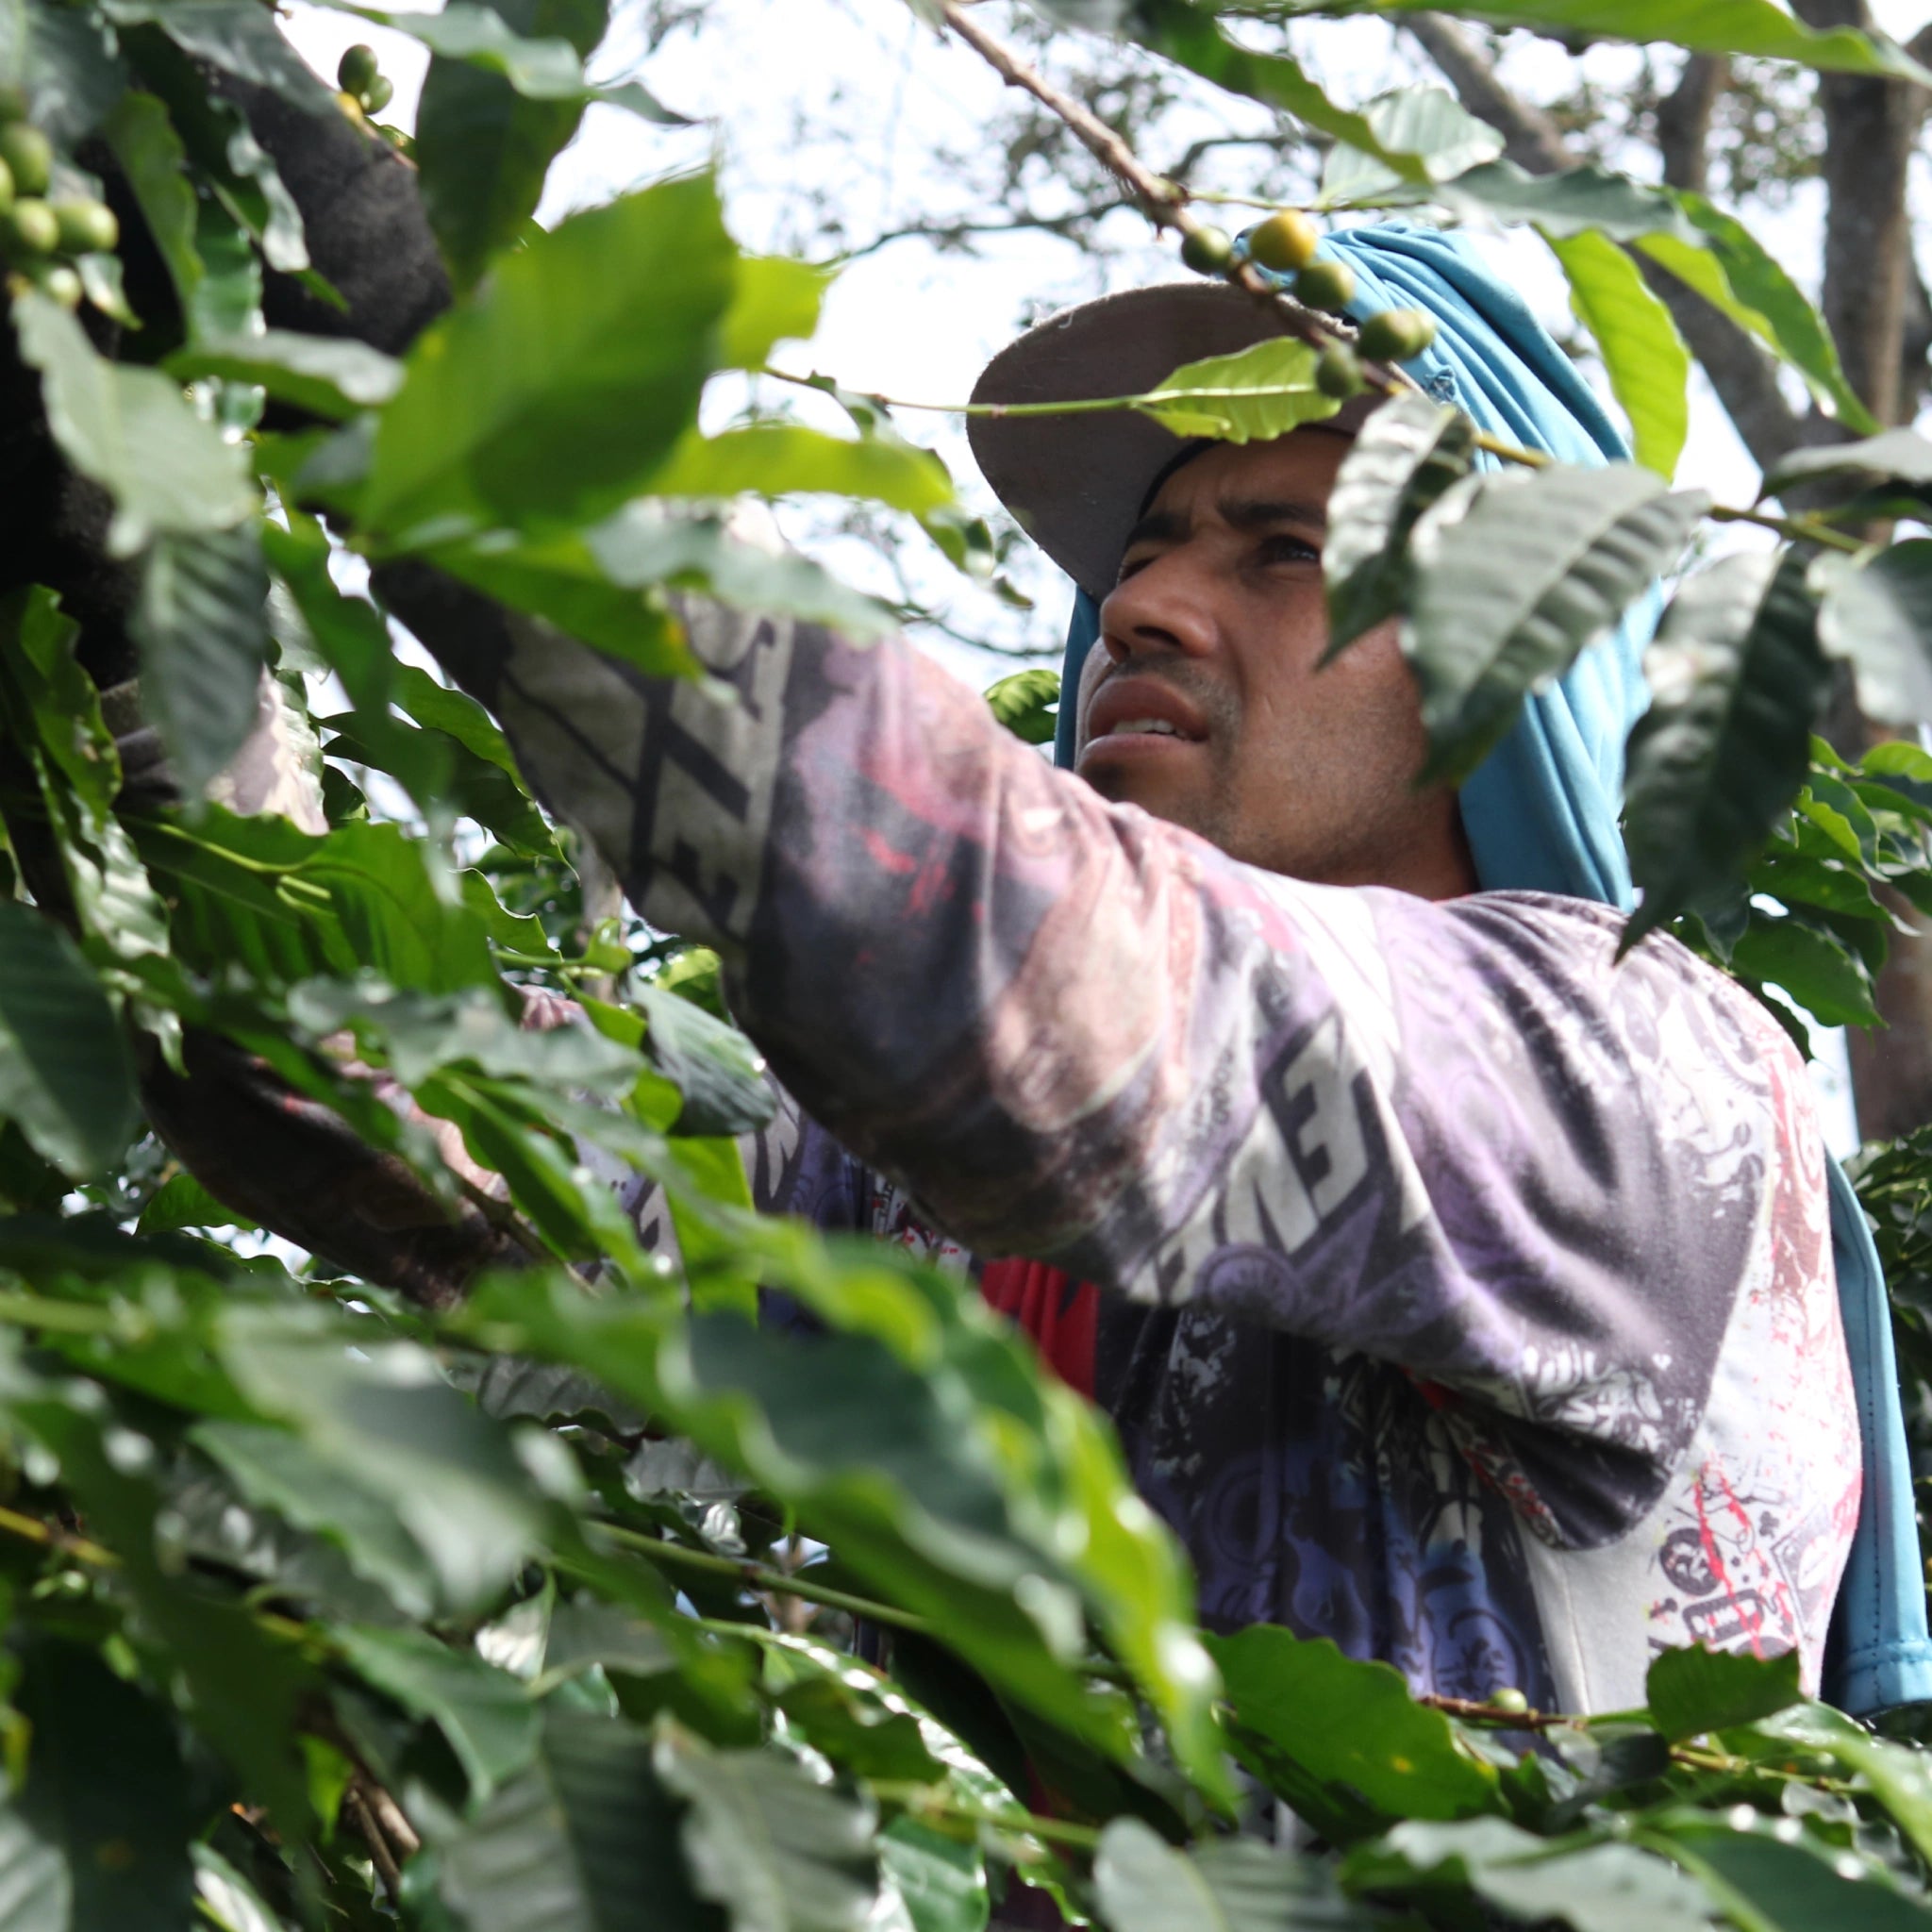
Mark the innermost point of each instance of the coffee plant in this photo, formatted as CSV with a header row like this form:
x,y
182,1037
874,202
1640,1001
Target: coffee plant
x,y
450,1561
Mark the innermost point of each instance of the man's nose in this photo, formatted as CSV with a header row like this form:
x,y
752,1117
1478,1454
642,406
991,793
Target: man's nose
x,y
1162,607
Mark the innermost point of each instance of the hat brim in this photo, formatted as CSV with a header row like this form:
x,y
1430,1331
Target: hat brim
x,y
1075,484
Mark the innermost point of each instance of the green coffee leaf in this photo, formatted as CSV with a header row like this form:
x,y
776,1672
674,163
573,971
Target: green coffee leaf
x,y
1897,1773
539,398
202,625
578,1843
65,1072
1815,967
329,376
487,1715
767,1842
1569,203
1589,1887
1720,26
1694,1690
181,1201
1877,616
1644,356
1339,1721
235,35
940,1881
1516,572
714,1066
1252,396
99,1834
1401,459
1027,704
785,460
1736,678
1219,1884
1427,122
1898,454
170,472
776,299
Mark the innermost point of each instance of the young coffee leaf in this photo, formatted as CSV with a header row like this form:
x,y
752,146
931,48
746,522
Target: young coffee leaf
x,y
586,1840
1878,617
1643,355
202,625
65,1073
1736,678
540,399
1254,395
1901,454
1588,1887
1403,457
777,300
1219,1884
1693,1691
1343,1722
766,1842
1027,704
1717,27
1426,122
1515,573
131,431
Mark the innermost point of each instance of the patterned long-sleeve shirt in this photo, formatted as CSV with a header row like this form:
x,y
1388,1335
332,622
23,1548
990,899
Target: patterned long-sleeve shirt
x,y
1466,1294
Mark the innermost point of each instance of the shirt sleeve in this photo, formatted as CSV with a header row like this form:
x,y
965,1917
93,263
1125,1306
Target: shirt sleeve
x,y
1462,1138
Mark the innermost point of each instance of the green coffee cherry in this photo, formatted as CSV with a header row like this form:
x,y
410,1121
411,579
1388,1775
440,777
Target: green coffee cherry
x,y
1508,1698
1207,251
356,71
378,93
13,103
1284,241
1329,285
87,227
6,188
1394,335
30,157
28,231
59,283
1338,371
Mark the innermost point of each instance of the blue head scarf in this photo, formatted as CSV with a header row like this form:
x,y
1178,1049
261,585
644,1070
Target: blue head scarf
x,y
1541,814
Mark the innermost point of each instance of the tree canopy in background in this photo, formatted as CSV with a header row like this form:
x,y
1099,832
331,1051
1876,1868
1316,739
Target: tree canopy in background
x,y
451,1562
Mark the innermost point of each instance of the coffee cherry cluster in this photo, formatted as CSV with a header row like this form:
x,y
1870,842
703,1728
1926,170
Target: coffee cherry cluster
x,y
365,89
1285,245
39,234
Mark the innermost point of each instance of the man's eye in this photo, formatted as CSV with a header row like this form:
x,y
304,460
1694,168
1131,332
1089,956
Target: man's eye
x,y
1282,549
1129,565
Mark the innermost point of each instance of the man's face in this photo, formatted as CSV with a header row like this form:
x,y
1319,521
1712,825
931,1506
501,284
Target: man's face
x,y
1212,637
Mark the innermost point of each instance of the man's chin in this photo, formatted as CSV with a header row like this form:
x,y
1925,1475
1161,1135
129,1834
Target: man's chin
x,y
1122,781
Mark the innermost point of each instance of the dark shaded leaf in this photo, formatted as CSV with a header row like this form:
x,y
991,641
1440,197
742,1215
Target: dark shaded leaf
x,y
202,625
1735,680
1514,575
1219,1884
714,1066
65,1072
235,35
1401,460
1902,455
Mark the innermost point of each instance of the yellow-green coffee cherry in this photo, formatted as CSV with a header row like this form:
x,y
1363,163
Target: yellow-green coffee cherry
x,y
1284,241
28,231
6,188
1329,285
87,227
59,283
1207,250
378,93
30,157
1508,1698
1338,371
1394,335
356,70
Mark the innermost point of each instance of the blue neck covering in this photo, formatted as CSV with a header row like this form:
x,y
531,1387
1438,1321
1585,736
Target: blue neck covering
x,y
1541,814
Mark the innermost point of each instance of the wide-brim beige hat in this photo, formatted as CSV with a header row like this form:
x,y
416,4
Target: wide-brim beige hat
x,y
1075,484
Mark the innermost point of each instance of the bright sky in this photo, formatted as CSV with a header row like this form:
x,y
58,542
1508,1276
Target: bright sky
x,y
908,321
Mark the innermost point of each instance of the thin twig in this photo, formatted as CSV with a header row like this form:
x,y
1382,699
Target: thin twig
x,y
372,1836
502,1217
